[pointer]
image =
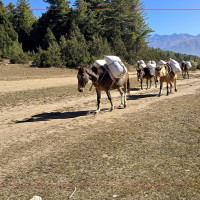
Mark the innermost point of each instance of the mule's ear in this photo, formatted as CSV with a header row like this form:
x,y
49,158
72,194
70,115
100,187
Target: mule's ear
x,y
78,67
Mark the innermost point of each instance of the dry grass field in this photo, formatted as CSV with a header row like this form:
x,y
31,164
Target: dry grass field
x,y
51,142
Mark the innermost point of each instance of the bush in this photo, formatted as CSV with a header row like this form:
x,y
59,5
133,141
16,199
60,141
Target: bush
x,y
36,59
31,55
49,58
198,66
17,55
74,52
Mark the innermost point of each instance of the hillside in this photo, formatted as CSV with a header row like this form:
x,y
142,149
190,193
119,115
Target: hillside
x,y
181,43
192,46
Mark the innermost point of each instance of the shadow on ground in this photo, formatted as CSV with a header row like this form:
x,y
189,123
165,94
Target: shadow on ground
x,y
134,89
55,115
141,96
59,115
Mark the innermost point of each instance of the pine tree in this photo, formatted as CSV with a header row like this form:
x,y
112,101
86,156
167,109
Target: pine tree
x,y
11,12
23,21
98,47
58,16
49,38
90,21
8,35
74,50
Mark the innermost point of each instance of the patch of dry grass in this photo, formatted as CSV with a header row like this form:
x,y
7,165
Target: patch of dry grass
x,y
39,96
159,146
48,95
13,72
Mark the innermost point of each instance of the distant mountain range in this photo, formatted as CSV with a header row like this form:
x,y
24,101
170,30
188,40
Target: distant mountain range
x,y
181,43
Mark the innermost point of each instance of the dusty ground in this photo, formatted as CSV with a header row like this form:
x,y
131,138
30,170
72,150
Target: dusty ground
x,y
50,136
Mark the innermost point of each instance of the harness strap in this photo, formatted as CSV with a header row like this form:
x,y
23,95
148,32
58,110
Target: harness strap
x,y
98,82
111,76
170,68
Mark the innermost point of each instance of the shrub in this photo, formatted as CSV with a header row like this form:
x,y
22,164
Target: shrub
x,y
17,55
49,58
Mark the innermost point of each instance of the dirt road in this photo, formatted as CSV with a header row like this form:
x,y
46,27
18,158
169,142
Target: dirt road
x,y
29,131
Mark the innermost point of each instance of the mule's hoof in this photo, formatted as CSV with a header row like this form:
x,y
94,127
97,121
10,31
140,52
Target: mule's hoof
x,y
96,112
121,106
111,109
175,90
159,95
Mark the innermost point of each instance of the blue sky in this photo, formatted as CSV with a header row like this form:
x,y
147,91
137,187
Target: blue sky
x,y
162,22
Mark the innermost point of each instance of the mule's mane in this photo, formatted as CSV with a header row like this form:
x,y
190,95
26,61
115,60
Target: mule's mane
x,y
93,73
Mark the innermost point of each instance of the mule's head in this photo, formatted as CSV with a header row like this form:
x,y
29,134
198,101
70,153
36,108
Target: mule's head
x,y
161,71
140,73
82,77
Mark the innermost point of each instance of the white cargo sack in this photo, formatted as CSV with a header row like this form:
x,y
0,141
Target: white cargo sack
x,y
99,63
175,66
115,65
151,65
110,59
188,64
142,63
161,62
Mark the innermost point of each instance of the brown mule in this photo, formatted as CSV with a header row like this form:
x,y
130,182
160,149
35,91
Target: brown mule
x,y
144,73
185,70
102,81
165,73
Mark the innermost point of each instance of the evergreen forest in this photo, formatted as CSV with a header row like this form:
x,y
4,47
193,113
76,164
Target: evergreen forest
x,y
66,37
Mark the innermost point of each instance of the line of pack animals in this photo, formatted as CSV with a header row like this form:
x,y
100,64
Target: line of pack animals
x,y
165,71
111,73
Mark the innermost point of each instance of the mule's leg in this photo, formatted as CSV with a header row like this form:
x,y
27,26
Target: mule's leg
x,y
110,99
122,98
141,84
161,85
167,88
98,100
124,95
156,81
188,74
150,83
175,89
147,84
185,73
170,88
